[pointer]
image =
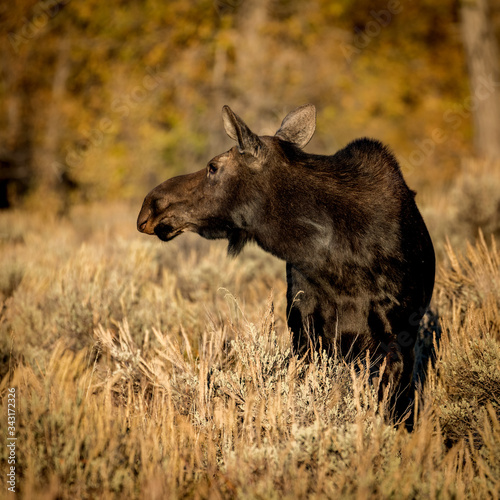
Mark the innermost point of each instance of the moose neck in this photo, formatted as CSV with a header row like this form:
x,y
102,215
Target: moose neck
x,y
318,213
294,222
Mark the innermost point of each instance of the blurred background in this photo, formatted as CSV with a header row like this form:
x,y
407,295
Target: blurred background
x,y
100,101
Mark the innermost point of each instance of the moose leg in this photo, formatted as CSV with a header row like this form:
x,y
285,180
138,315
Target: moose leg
x,y
403,398
302,311
397,350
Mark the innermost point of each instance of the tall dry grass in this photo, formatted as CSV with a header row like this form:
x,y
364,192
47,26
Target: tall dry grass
x,y
150,370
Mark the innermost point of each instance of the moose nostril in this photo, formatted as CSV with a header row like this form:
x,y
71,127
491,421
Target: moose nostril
x,y
143,218
141,223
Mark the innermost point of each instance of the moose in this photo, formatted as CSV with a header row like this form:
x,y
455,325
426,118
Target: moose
x,y
360,263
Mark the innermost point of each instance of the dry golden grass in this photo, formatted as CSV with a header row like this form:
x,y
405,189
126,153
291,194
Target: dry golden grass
x,y
150,370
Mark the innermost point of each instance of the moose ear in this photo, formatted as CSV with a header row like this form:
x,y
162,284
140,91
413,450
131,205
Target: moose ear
x,y
298,126
236,128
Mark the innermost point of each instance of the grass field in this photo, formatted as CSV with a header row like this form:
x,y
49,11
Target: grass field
x,y
151,370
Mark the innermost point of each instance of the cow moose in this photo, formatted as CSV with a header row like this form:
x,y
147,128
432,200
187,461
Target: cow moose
x,y
360,263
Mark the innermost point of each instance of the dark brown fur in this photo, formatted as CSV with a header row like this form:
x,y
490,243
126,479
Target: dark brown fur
x,y
359,260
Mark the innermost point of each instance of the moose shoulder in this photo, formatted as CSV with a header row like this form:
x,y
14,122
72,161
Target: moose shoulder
x,y
359,260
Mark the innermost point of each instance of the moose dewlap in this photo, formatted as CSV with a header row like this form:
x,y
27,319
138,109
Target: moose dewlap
x,y
360,263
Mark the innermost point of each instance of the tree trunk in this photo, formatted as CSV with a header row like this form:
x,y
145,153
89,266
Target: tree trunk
x,y
48,155
16,148
484,75
253,59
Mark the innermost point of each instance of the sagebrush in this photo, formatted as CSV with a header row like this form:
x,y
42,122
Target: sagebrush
x,y
146,370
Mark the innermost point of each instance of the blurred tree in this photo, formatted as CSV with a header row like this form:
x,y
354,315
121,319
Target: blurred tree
x,y
483,60
100,100
15,120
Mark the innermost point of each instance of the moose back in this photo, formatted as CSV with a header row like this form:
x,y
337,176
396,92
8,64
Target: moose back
x,y
360,263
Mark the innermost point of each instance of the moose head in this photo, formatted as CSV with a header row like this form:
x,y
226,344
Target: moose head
x,y
233,195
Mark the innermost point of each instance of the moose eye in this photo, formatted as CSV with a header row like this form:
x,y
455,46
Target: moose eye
x,y
212,168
